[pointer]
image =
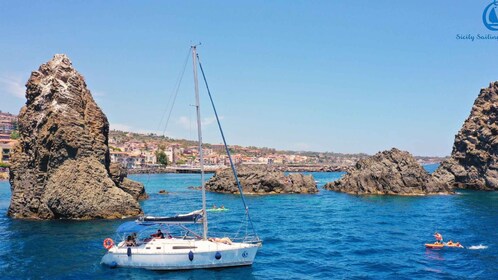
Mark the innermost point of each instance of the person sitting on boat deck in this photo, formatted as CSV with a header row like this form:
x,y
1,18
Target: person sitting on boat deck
x,y
439,237
214,206
222,207
130,241
158,234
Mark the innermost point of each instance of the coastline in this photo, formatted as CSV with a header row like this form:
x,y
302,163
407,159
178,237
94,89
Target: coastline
x,y
283,168
276,167
279,167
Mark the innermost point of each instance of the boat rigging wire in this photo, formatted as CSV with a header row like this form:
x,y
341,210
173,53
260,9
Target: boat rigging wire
x,y
173,95
226,148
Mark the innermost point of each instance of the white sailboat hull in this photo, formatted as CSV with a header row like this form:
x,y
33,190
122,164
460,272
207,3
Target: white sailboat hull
x,y
173,254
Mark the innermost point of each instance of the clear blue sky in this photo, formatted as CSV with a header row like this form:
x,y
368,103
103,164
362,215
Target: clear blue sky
x,y
341,76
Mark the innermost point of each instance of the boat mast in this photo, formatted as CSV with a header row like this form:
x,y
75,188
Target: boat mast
x,y
199,133
228,151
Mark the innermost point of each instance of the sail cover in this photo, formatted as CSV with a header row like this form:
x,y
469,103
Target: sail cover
x,y
190,218
148,221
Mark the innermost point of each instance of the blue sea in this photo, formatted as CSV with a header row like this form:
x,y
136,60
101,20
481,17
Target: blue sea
x,y
327,235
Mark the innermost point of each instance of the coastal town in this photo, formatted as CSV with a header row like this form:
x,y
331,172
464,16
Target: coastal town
x,y
151,153
8,136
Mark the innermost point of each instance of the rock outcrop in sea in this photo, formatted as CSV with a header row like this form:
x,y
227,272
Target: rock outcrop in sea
x,y
118,175
474,158
391,172
256,179
61,166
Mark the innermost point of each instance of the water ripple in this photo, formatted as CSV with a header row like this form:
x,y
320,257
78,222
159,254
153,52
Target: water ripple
x,y
326,235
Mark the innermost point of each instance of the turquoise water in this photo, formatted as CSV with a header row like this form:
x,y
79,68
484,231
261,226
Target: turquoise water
x,y
326,235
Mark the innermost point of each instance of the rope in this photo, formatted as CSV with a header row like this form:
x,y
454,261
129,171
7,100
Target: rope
x,y
170,106
173,96
226,148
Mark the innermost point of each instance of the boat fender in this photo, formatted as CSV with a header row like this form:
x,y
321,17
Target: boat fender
x,y
128,252
108,243
217,255
191,256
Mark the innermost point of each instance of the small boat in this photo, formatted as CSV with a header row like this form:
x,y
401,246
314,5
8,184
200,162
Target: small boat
x,y
435,245
180,247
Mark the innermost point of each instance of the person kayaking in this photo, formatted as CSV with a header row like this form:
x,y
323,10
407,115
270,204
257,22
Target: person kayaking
x,y
439,237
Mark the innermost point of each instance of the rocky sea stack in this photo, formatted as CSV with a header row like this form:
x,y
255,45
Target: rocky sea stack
x,y
391,172
61,167
474,159
257,179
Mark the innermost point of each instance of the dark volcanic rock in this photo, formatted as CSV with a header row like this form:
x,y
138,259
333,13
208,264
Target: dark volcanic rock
x,y
474,159
118,175
389,172
60,169
257,179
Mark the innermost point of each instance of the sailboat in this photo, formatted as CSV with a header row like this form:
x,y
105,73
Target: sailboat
x,y
493,18
179,247
489,16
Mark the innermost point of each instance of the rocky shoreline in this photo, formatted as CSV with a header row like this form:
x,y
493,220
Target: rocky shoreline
x,y
474,158
392,172
257,179
282,168
62,169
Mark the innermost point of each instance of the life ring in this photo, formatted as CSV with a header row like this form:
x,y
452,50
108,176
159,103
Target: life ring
x,y
108,243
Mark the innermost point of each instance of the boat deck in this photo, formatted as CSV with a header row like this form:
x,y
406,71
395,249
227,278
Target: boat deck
x,y
176,245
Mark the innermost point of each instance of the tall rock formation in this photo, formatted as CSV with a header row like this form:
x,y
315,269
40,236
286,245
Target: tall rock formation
x,y
474,159
389,172
257,179
60,169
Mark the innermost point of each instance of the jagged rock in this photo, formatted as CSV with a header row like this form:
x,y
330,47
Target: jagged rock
x,y
390,172
60,168
118,175
134,188
474,159
257,179
117,172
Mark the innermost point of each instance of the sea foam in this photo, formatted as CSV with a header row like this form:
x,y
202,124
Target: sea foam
x,y
478,247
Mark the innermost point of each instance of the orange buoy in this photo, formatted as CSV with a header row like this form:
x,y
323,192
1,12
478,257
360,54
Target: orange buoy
x,y
108,243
